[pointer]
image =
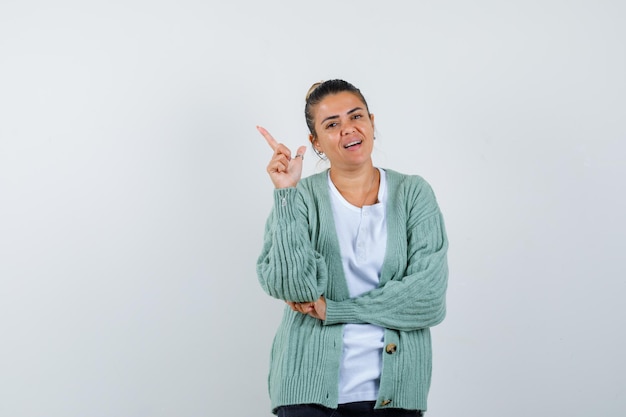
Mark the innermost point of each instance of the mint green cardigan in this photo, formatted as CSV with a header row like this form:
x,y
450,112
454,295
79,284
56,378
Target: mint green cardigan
x,y
301,261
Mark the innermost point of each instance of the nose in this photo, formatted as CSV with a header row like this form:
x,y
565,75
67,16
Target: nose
x,y
348,129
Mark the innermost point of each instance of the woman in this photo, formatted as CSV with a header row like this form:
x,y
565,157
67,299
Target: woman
x,y
358,253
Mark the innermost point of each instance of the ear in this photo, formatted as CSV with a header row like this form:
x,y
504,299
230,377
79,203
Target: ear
x,y
372,119
314,142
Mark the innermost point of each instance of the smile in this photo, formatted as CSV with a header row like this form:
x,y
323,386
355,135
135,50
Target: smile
x,y
351,144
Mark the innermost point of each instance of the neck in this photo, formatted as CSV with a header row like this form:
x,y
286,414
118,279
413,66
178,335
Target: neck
x,y
358,187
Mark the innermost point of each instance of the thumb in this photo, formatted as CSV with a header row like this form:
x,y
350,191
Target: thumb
x,y
301,151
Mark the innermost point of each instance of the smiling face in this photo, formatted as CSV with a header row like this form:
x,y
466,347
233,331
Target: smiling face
x,y
344,130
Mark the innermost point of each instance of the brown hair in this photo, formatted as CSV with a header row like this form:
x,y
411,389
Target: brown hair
x,y
320,90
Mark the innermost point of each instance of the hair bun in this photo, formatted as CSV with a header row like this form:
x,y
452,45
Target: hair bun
x,y
313,87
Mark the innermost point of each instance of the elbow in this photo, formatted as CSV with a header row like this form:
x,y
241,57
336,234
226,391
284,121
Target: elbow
x,y
289,289
439,316
438,309
432,316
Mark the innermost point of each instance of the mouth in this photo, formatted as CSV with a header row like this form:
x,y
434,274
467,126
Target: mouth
x,y
351,144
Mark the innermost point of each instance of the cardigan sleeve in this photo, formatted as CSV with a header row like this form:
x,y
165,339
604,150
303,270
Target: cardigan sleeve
x,y
415,300
289,268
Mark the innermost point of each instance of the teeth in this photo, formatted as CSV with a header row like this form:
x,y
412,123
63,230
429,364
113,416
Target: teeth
x,y
356,142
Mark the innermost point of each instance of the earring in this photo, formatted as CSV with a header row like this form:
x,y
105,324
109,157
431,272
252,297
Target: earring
x,y
320,154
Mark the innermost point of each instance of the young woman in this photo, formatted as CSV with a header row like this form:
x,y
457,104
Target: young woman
x,y
358,253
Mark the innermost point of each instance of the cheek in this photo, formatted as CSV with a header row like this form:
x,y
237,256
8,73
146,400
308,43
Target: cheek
x,y
325,139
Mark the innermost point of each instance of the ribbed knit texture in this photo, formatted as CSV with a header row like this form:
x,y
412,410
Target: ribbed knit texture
x,y
301,261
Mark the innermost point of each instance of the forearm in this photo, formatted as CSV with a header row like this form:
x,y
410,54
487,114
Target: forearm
x,y
288,267
398,305
411,302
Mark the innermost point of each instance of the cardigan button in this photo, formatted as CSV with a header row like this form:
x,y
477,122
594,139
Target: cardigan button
x,y
391,348
385,402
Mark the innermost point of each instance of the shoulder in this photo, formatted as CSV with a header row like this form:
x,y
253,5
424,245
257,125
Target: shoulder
x,y
409,183
311,192
413,192
312,183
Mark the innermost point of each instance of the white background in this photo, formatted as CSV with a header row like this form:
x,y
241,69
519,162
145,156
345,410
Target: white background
x,y
133,194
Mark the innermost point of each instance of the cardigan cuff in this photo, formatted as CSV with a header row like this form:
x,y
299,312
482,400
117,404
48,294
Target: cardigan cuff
x,y
340,312
285,202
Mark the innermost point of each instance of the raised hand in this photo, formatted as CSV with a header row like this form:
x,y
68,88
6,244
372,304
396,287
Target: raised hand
x,y
284,170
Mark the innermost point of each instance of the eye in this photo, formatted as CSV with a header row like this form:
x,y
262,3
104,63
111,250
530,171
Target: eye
x,y
331,125
357,116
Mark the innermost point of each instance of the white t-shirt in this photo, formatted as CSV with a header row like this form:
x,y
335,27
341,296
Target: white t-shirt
x,y
362,235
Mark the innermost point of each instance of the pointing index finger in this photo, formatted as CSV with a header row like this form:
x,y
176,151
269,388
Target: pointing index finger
x,y
269,138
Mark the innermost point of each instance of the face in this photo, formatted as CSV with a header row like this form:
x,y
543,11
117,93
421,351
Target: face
x,y
345,132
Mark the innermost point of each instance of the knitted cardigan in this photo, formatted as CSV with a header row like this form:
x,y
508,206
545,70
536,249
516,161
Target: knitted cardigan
x,y
301,261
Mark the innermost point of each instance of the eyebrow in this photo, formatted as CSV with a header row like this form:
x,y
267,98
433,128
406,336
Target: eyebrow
x,y
336,116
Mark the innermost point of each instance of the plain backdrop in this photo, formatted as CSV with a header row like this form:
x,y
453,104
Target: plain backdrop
x,y
133,194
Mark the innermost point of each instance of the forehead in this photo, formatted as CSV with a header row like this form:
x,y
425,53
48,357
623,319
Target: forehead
x,y
337,105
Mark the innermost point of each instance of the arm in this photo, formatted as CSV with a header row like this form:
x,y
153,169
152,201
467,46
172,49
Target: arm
x,y
417,299
288,267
